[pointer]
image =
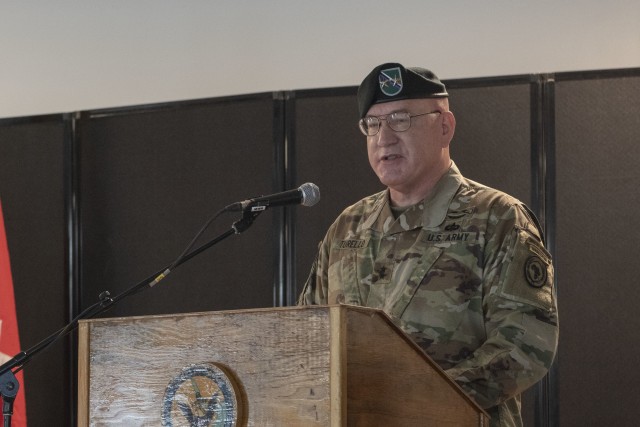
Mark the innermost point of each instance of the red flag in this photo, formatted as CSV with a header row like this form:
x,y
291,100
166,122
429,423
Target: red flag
x,y
9,339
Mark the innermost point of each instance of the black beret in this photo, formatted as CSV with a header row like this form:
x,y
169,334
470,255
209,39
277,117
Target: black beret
x,y
392,82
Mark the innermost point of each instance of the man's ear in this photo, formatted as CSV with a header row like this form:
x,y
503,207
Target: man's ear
x,y
448,125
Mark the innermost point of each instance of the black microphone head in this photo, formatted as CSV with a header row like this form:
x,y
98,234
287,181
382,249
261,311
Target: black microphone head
x,y
310,194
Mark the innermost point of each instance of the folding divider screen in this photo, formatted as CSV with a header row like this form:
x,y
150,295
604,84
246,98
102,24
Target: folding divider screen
x,y
597,203
150,178
331,152
32,181
493,140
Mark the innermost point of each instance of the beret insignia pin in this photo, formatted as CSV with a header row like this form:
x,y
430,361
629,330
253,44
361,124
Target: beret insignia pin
x,y
390,81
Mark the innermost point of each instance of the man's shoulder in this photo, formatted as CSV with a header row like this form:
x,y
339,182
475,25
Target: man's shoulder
x,y
484,195
498,205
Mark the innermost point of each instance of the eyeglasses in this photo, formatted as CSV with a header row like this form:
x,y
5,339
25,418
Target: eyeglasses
x,y
399,121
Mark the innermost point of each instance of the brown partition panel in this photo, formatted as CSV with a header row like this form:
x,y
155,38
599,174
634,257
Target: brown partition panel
x,y
596,247
149,180
331,152
32,191
492,143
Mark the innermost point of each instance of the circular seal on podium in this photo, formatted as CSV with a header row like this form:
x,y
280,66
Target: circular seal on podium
x,y
203,395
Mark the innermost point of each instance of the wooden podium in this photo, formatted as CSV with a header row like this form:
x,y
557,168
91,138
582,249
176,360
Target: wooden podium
x,y
301,366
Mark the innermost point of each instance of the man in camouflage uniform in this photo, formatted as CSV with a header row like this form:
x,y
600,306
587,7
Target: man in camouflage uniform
x,y
459,266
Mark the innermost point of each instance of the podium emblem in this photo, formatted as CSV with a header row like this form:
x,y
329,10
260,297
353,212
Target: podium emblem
x,y
202,395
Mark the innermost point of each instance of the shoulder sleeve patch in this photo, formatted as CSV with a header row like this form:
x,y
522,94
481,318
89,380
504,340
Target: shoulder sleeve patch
x,y
528,275
535,271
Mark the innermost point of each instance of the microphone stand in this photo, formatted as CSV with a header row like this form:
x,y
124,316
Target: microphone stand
x,y
9,385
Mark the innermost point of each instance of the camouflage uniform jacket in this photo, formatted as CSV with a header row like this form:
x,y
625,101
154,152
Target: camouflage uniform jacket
x,y
464,273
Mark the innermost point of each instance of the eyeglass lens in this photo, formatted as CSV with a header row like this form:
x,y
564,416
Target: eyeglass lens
x,y
399,122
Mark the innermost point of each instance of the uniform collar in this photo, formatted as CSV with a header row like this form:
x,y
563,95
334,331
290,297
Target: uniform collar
x,y
429,213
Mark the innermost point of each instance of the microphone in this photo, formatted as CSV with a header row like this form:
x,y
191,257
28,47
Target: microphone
x,y
307,194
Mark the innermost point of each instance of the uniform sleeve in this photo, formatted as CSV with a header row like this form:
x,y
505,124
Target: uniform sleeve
x,y
520,312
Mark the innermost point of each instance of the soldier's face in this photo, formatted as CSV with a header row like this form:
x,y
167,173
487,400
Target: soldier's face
x,y
410,161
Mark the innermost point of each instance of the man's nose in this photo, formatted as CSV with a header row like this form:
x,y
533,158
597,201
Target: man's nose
x,y
386,135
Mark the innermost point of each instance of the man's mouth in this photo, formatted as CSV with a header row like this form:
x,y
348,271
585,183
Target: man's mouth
x,y
389,157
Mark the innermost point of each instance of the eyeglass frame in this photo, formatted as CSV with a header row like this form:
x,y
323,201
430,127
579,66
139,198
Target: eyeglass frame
x,y
380,118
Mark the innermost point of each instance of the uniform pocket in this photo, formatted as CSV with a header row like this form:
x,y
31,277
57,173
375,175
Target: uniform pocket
x,y
408,275
343,281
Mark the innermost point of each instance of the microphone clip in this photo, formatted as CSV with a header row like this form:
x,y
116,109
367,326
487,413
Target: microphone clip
x,y
258,207
248,216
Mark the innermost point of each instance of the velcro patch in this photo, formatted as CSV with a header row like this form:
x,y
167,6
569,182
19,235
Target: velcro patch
x,y
351,244
527,262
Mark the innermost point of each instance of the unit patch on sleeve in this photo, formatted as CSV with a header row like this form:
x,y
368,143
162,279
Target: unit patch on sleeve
x,y
535,271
